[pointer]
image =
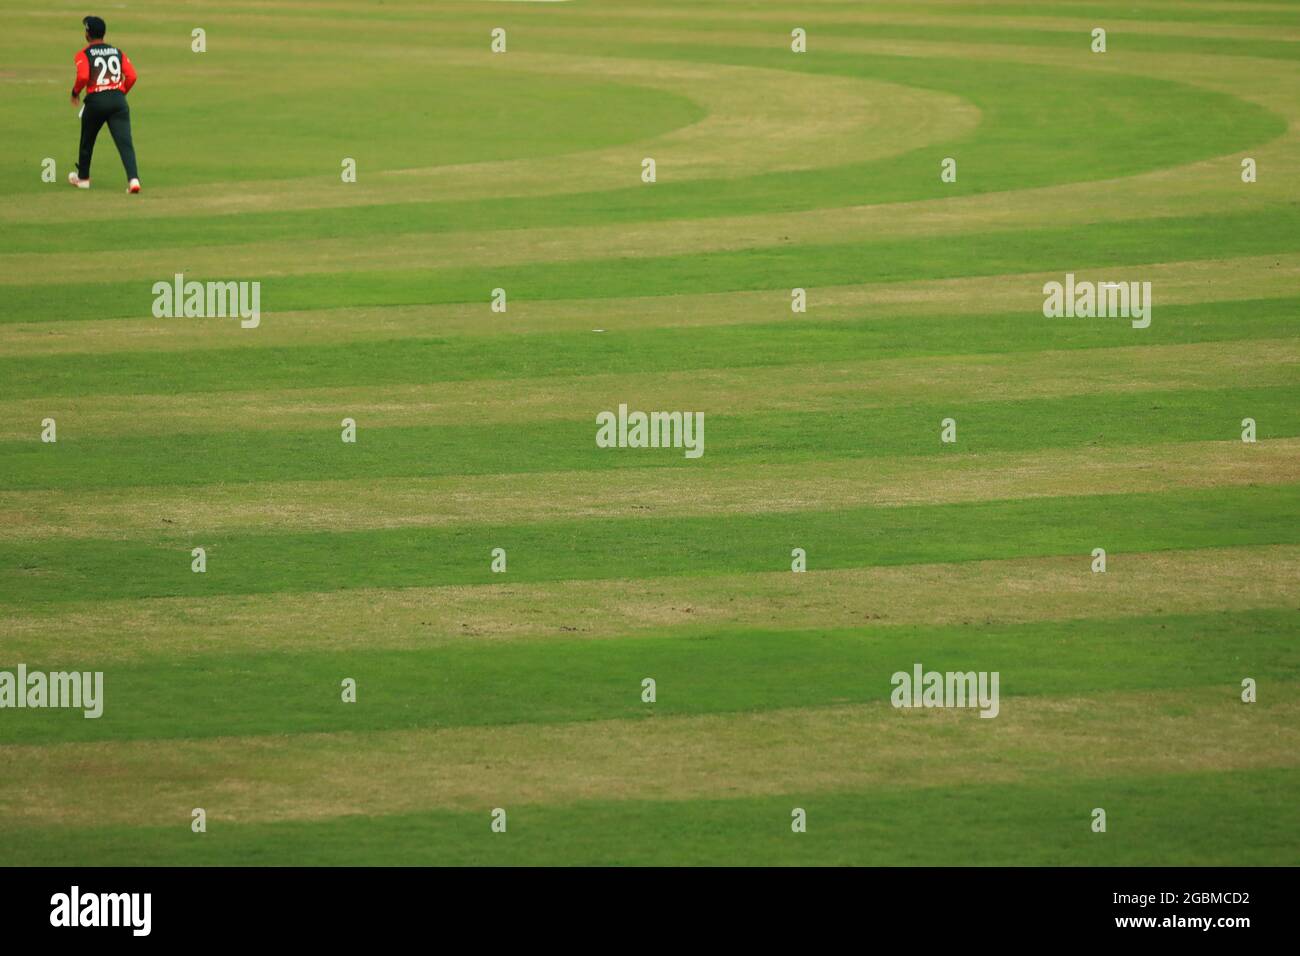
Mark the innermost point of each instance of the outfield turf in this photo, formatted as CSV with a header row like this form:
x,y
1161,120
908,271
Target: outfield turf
x,y
476,430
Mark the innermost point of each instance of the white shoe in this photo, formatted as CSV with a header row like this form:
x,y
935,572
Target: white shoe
x,y
74,180
133,186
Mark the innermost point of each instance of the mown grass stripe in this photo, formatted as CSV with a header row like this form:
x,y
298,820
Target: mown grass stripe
x,y
712,672
1006,591
1076,421
371,503
627,351
1017,21
1248,280
62,570
1057,33
1122,245
824,386
849,746
1175,819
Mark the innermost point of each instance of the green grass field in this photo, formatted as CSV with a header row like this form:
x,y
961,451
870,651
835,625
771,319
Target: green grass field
x,y
475,430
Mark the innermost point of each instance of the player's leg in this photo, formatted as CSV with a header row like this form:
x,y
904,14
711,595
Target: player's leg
x,y
92,119
119,124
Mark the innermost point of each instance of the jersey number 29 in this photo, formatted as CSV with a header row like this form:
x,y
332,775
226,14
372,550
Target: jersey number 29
x,y
110,67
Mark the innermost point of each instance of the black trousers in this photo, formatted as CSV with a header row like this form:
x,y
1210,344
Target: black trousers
x,y
107,107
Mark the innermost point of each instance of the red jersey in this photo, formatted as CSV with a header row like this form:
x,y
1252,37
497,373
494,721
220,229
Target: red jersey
x,y
102,66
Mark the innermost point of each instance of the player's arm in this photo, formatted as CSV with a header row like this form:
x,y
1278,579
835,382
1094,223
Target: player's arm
x,y
128,73
83,76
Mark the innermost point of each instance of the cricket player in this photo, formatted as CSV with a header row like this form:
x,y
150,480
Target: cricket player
x,y
106,74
